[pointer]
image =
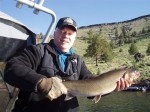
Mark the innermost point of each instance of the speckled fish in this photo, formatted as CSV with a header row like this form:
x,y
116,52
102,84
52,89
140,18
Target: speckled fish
x,y
100,85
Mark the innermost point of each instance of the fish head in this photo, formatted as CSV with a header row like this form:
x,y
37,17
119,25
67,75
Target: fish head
x,y
131,75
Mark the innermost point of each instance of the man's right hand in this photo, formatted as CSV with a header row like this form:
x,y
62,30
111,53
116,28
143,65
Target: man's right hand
x,y
52,87
122,84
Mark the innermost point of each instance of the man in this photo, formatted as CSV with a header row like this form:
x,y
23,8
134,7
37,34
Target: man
x,y
39,70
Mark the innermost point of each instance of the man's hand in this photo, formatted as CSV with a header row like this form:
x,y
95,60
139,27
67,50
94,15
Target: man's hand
x,y
122,84
52,87
57,89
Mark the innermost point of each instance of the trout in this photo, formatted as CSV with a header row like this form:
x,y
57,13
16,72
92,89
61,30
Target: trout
x,y
100,85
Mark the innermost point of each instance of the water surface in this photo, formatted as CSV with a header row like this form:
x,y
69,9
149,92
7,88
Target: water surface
x,y
118,102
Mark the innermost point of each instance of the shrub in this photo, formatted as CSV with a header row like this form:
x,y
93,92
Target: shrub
x,y
148,49
133,49
120,50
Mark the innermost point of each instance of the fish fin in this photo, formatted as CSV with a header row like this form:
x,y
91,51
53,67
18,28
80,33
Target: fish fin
x,y
96,98
68,97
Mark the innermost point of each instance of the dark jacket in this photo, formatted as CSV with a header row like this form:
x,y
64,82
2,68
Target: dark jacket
x,y
38,61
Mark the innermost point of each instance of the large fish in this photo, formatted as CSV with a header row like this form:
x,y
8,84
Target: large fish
x,y
100,85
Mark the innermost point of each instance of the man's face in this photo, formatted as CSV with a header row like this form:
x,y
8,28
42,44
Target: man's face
x,y
64,38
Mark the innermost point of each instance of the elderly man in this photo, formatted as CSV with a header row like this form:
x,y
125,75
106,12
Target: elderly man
x,y
35,72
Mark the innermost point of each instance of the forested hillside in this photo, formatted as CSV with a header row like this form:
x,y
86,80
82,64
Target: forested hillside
x,y
123,34
112,30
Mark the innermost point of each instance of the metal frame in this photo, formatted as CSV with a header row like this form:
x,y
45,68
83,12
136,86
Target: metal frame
x,y
38,7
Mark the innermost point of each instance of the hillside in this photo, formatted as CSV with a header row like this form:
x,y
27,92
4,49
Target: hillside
x,y
108,29
120,60
123,58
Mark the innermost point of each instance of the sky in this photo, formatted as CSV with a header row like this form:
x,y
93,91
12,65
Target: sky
x,y
84,12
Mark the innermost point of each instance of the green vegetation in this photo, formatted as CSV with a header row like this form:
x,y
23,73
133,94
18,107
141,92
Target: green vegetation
x,y
125,39
98,48
148,49
121,59
124,30
133,49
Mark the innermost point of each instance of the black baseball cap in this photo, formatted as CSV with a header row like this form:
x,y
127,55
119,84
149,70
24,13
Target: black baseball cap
x,y
66,21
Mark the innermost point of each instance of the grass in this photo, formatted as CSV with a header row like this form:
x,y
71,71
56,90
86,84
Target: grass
x,y
80,46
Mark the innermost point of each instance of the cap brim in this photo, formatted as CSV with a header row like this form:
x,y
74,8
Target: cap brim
x,y
73,27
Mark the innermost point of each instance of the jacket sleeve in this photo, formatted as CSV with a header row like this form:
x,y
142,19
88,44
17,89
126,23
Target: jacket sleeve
x,y
85,73
20,71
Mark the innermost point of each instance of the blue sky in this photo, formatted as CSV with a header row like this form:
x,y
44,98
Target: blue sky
x,y
85,12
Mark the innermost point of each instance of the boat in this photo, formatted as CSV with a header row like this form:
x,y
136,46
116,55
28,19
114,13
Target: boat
x,y
133,89
12,43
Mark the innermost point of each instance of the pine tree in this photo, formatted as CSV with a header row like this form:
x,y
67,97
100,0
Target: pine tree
x,y
121,39
108,55
133,34
148,49
133,49
116,33
98,48
143,31
112,44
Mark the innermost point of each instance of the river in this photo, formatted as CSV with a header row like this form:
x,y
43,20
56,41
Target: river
x,y
137,101
118,102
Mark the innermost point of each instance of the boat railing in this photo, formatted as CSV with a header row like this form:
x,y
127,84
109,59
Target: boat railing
x,y
39,7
